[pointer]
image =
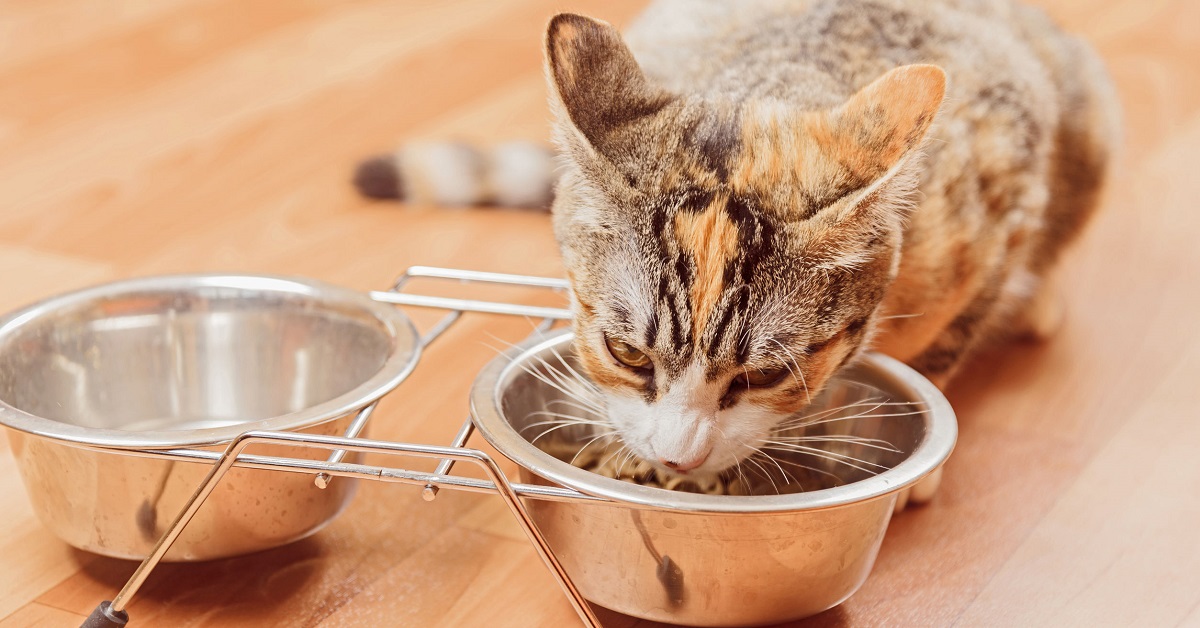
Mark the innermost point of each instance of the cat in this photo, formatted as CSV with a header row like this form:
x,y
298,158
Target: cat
x,y
753,193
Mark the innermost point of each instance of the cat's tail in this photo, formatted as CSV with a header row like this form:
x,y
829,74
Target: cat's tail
x,y
512,174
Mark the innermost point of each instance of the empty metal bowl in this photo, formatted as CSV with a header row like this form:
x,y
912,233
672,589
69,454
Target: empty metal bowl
x,y
188,362
711,560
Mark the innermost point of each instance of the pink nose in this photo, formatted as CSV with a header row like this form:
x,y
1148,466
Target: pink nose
x,y
684,467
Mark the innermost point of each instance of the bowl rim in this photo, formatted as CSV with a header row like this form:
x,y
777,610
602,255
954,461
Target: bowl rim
x,y
940,436
401,359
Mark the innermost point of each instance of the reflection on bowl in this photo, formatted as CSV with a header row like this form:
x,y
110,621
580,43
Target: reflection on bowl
x,y
188,361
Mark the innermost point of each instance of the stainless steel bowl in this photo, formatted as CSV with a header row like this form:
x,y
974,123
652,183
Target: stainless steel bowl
x,y
188,361
709,560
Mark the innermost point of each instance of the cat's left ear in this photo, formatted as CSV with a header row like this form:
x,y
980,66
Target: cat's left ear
x,y
595,82
881,124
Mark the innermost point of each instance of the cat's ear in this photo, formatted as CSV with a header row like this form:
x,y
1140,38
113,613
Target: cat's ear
x,y
882,123
596,85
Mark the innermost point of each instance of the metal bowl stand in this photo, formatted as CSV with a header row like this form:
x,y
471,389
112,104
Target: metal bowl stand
x,y
112,613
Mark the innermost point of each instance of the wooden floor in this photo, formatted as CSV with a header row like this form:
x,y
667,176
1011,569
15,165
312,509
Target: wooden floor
x,y
193,135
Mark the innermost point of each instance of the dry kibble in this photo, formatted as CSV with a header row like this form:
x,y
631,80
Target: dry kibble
x,y
612,461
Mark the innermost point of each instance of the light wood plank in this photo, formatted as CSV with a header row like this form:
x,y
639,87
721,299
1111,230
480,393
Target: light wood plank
x,y
1114,550
36,615
1119,547
30,29
34,560
38,560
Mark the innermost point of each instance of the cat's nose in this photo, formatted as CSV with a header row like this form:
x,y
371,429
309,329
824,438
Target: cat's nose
x,y
684,467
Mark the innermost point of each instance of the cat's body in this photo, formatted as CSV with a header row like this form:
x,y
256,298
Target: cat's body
x,y
754,192
1012,166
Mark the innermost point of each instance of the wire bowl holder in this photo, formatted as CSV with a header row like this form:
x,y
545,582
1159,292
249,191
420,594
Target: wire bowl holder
x,y
113,613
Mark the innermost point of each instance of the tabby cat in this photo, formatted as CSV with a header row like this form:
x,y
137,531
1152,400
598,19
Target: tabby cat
x,y
752,193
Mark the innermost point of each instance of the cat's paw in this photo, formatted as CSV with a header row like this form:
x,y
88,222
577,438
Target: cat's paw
x,y
920,493
1043,316
924,490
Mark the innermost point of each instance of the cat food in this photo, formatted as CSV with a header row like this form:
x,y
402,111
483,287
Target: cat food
x,y
612,462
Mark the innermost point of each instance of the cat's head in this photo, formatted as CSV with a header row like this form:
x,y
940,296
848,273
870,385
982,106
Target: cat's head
x,y
726,258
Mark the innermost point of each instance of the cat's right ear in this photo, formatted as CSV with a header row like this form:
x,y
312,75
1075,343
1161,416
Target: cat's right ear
x,y
596,85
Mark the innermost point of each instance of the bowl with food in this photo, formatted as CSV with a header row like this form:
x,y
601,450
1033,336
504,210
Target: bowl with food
x,y
786,533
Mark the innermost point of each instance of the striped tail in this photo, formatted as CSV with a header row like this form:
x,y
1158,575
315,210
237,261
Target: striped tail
x,y
513,174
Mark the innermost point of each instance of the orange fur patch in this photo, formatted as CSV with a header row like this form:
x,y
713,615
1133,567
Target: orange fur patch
x,y
859,140
781,153
564,42
883,121
712,240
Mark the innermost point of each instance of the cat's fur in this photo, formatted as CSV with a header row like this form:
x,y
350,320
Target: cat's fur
x,y
749,185
784,183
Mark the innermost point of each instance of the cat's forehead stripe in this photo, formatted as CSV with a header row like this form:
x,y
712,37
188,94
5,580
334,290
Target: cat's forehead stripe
x,y
710,238
711,244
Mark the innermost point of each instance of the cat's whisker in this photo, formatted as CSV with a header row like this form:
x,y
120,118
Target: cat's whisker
x,y
797,418
551,422
783,474
808,420
560,426
629,456
786,476
570,403
737,468
831,437
881,445
578,377
578,384
589,444
862,416
611,456
601,428
786,363
792,360
572,394
823,453
565,382
502,341
765,473
803,420
496,349
545,379
874,402
563,379
835,476
891,316
558,422
807,391
570,417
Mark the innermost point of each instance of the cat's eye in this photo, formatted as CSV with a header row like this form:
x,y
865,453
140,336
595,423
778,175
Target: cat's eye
x,y
627,354
817,347
754,378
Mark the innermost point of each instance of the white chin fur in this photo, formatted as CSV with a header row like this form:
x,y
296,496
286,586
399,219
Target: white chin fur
x,y
661,431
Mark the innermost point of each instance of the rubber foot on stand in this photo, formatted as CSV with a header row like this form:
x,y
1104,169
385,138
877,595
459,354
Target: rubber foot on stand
x,y
105,617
